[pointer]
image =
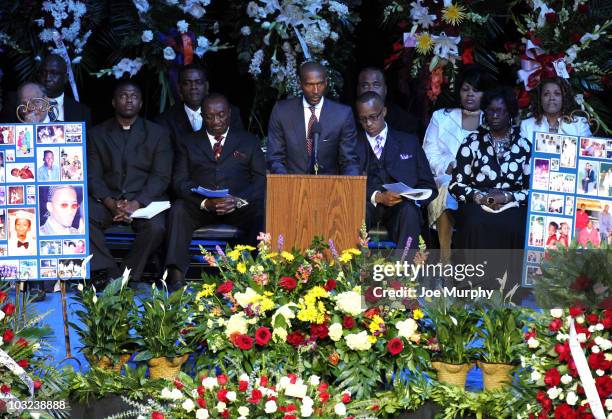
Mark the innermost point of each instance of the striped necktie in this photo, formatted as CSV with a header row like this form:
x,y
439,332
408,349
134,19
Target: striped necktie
x,y
378,148
311,121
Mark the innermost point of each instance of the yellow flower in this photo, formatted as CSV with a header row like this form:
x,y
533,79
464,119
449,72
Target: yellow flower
x,y
372,339
424,43
417,314
234,254
270,255
242,247
453,14
353,251
311,309
377,323
345,257
241,268
287,256
207,291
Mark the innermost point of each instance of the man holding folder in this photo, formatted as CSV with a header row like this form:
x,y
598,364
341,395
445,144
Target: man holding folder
x,y
215,159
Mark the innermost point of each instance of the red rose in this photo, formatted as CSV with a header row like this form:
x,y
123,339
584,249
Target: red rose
x,y
201,402
23,363
346,398
541,396
397,46
319,331
375,407
222,395
201,390
552,377
571,367
563,350
289,417
256,396
604,386
222,379
287,282
263,380
467,57
348,322
583,8
262,336
324,397
395,346
178,384
22,342
607,322
530,334
330,285
244,342
157,415
564,411
295,339
8,335
582,283
225,413
555,325
592,318
225,288
551,17
369,294
5,389
576,310
243,385
3,296
524,99
37,384
598,361
9,309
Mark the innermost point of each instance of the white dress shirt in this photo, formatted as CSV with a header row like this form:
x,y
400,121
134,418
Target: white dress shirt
x,y
307,112
60,106
372,141
195,117
212,140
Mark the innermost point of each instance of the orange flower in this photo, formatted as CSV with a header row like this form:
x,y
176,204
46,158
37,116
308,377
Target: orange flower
x,y
334,358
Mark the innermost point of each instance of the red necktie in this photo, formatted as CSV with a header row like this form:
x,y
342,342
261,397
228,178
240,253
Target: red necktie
x,y
24,244
218,148
311,121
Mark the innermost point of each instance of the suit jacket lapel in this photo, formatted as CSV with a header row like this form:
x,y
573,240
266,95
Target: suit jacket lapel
x,y
203,143
390,152
231,143
325,118
299,129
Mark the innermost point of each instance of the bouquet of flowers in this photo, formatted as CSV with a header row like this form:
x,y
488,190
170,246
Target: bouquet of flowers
x,y
568,40
255,395
437,35
552,370
296,311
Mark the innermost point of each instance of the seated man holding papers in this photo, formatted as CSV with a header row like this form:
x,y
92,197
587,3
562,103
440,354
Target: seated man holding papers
x,y
399,176
219,178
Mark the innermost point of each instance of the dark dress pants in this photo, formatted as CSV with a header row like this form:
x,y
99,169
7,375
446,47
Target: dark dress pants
x,y
149,236
401,221
186,217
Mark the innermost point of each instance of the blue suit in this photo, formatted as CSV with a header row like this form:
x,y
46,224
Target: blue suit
x,y
287,139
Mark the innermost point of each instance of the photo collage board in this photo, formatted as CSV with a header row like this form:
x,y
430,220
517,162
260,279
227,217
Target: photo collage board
x,y
570,196
43,201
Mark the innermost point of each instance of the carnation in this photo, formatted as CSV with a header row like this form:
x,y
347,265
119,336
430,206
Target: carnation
x,y
349,302
237,323
147,36
210,382
553,393
182,26
243,411
358,341
340,409
533,343
566,379
270,406
335,332
406,328
188,405
202,414
571,398
556,313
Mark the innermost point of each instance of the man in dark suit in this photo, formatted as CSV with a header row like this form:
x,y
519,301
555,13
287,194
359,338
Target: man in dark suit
x,y
372,79
53,74
215,158
290,131
389,156
185,117
130,165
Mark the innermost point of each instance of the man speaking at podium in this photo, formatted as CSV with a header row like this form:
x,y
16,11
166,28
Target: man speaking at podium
x,y
311,130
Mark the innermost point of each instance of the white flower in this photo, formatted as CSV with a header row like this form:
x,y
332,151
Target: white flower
x,y
595,349
533,343
314,380
580,319
188,405
349,302
244,377
209,383
252,9
307,401
255,64
406,328
182,26
147,36
141,5
203,42
279,334
566,379
556,313
306,410
589,37
571,398
266,25
335,332
446,47
173,394
358,341
94,299
237,323
604,344
420,14
553,393
340,409
600,373
231,396
202,414
608,404
591,329
562,337
599,327
245,31
270,406
247,297
243,411
535,375
169,54
79,287
340,9
581,337
221,407
1,341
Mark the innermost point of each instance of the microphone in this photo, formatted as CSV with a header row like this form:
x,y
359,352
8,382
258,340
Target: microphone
x,y
316,133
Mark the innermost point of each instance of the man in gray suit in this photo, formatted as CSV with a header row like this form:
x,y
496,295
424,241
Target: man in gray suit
x,y
291,147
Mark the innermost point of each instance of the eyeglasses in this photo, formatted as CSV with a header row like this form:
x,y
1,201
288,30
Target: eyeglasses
x,y
370,118
66,205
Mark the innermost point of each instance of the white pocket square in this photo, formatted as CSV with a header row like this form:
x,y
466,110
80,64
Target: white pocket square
x,y
405,156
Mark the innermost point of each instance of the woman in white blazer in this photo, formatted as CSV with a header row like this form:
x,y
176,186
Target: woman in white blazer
x,y
552,100
447,129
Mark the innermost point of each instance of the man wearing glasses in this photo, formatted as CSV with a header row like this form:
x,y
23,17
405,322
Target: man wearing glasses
x,y
389,156
62,206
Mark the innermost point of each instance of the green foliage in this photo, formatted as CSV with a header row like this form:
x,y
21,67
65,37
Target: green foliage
x,y
104,320
456,402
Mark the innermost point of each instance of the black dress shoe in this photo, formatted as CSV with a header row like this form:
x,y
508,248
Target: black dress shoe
x,y
175,280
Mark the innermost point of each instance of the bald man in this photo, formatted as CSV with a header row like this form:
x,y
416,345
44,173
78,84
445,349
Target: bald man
x,y
291,147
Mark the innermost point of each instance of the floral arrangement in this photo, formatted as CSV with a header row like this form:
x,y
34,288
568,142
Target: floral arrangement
x,y
257,395
163,36
568,40
304,311
552,371
436,36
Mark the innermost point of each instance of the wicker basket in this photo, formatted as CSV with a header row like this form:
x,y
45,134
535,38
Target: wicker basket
x,y
495,376
454,374
167,368
107,363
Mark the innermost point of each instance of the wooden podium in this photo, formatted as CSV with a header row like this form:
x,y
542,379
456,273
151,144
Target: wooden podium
x,y
301,207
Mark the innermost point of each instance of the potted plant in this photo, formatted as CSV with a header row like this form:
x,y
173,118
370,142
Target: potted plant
x,y
453,330
104,324
502,340
162,325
